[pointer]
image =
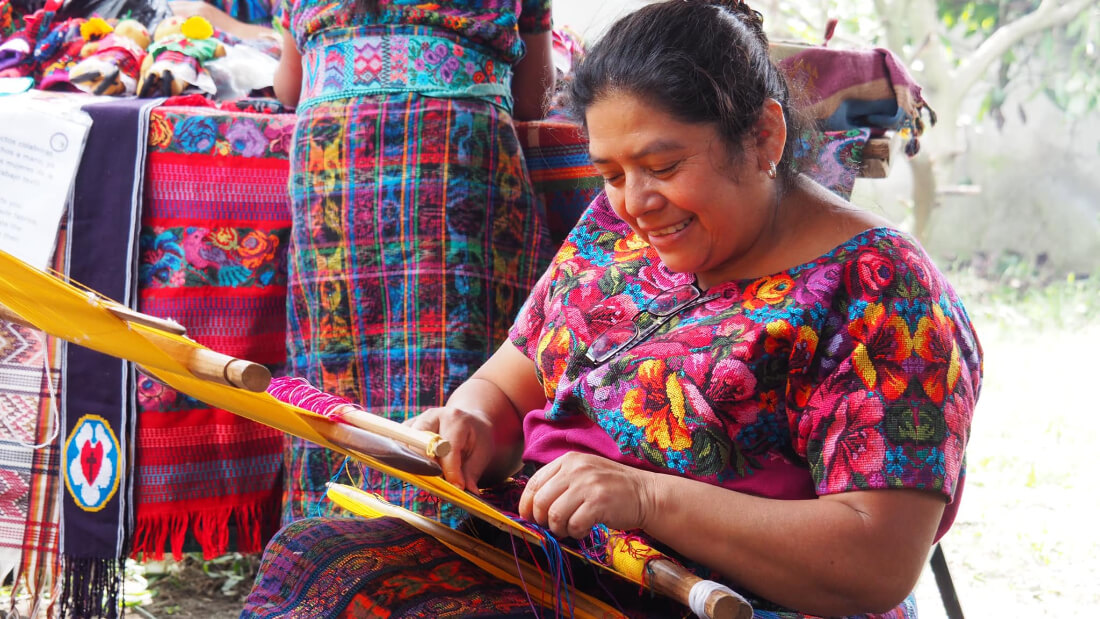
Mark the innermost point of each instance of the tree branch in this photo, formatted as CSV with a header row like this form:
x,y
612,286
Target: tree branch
x,y
1048,15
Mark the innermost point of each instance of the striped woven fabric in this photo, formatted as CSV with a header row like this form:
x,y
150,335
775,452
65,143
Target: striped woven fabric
x,y
30,459
561,174
213,257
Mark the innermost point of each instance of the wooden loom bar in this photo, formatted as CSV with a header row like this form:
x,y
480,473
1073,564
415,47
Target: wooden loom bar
x,y
202,362
676,582
428,443
213,366
129,315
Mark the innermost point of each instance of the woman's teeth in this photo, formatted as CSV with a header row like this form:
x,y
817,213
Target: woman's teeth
x,y
671,229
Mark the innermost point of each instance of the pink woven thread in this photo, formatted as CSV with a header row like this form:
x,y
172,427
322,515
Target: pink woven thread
x,y
298,392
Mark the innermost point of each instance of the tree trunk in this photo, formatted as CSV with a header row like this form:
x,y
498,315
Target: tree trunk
x,y
924,194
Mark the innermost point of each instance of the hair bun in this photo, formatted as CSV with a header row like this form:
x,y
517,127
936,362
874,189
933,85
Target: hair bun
x,y
750,16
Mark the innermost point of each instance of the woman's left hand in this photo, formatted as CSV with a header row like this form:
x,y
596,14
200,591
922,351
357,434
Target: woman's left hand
x,y
578,491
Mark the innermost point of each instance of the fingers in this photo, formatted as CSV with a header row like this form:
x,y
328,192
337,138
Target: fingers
x,y
556,497
471,443
534,485
578,491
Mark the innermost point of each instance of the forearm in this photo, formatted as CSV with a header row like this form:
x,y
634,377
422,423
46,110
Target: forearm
x,y
288,75
533,78
825,556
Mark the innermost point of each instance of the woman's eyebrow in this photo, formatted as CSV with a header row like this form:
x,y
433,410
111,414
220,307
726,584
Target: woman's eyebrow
x,y
655,147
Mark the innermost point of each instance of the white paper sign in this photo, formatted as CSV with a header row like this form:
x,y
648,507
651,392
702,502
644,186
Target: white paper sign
x,y
41,140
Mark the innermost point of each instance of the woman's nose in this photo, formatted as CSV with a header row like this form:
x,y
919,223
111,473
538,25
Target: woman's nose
x,y
639,196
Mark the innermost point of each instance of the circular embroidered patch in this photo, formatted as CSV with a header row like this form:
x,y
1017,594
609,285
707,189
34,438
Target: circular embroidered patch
x,y
91,463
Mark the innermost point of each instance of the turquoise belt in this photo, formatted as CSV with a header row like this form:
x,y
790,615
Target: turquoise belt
x,y
349,64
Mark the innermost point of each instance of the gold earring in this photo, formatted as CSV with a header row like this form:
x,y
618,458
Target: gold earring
x,y
772,171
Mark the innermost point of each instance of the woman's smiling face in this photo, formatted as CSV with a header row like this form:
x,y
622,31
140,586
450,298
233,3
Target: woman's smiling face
x,y
677,185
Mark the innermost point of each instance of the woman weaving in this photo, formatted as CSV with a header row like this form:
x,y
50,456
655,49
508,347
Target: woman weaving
x,y
724,356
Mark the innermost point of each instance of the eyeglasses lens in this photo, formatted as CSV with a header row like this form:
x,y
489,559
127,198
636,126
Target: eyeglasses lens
x,y
612,339
672,300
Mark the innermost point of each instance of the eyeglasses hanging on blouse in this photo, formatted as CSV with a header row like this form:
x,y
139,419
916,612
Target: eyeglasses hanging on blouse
x,y
626,334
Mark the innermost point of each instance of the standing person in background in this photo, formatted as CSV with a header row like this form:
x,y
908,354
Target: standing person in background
x,y
416,234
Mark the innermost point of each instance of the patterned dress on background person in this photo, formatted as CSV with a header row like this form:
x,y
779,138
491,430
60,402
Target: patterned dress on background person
x,y
416,235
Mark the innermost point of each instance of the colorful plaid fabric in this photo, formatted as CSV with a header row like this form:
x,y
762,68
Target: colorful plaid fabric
x,y
213,257
416,239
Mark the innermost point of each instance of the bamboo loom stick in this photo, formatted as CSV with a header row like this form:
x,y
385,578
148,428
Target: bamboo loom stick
x,y
675,581
202,362
672,580
213,366
662,575
366,504
164,324
363,442
428,443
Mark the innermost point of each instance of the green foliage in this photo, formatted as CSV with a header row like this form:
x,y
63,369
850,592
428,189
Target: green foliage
x,y
981,18
1022,293
857,22
1056,63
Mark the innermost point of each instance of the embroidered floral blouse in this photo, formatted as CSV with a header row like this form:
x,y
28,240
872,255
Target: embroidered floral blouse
x,y
858,370
492,24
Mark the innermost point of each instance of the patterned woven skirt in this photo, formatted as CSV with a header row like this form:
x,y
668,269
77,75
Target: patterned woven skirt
x,y
354,568
416,238
382,568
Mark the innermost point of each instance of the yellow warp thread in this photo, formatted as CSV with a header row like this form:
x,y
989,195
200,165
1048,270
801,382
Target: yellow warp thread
x,y
629,556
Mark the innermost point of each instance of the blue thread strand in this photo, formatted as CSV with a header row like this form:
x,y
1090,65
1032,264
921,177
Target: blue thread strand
x,y
523,582
555,560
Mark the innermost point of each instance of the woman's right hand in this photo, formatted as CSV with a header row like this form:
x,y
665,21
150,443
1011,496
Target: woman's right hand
x,y
472,443
482,419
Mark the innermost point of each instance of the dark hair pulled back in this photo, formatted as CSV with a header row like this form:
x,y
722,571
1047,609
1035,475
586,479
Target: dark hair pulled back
x,y
701,61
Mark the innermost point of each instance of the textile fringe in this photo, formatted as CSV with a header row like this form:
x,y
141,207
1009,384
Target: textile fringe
x,y
92,588
256,522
